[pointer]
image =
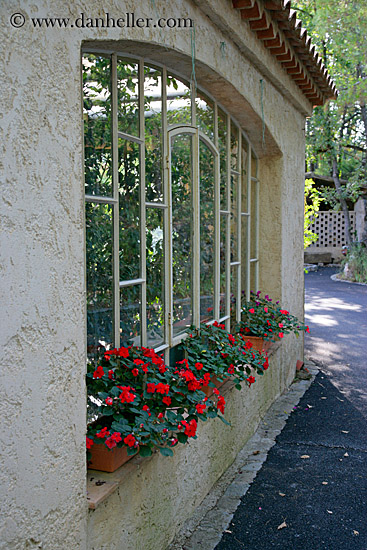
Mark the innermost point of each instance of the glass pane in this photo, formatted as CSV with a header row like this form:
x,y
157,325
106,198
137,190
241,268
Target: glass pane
x,y
128,96
129,199
234,146
234,218
205,114
222,145
153,133
206,233
223,248
130,304
97,125
99,254
234,274
181,181
178,101
244,201
253,219
155,277
253,167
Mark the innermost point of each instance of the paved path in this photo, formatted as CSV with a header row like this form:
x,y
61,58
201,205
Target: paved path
x,y
337,315
311,491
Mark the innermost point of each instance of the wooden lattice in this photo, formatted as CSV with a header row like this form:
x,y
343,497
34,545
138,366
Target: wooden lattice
x,y
330,227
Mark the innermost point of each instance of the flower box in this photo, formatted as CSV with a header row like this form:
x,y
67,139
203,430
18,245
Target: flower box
x,y
106,460
258,343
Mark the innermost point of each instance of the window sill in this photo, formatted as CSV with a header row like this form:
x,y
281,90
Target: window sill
x,y
100,485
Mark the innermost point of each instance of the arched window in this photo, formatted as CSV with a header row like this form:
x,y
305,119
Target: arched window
x,y
171,194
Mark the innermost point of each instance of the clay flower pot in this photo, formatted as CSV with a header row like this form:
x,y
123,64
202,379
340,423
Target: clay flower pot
x,y
258,343
106,460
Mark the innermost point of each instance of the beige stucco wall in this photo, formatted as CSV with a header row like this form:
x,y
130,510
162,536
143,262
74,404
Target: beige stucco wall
x,y
42,473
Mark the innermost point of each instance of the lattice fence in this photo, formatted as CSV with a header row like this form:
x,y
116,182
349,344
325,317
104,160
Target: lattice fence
x,y
330,228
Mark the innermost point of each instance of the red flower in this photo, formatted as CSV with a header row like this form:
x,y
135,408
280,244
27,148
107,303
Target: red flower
x,y
307,329
200,408
280,325
146,408
162,388
231,369
250,380
138,362
166,400
108,400
284,311
99,372
126,396
206,379
194,385
123,352
266,364
110,374
103,433
190,427
165,430
215,391
89,442
280,335
130,440
135,372
221,404
111,443
199,366
160,416
116,436
251,310
231,338
266,309
174,442
151,387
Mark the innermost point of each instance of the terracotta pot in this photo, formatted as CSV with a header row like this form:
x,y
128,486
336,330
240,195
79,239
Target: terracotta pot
x,y
208,390
106,460
258,343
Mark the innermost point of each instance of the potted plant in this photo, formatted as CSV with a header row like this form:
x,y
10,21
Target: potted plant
x,y
263,322
141,404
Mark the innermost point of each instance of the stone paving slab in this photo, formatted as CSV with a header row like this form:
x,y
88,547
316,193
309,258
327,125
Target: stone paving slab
x,y
204,530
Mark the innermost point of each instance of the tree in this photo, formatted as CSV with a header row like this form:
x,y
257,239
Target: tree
x,y
337,133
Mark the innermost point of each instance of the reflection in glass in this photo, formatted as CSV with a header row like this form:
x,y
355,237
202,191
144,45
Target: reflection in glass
x,y
205,114
181,180
244,198
97,124
130,315
129,199
153,133
223,249
234,276
128,97
206,233
155,277
234,147
222,146
178,101
234,218
99,270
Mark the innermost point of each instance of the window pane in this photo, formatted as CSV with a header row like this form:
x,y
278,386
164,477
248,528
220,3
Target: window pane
x,y
129,198
234,147
234,218
205,114
153,133
97,125
253,167
181,180
128,97
222,145
234,274
206,233
155,277
253,219
178,101
223,253
130,315
99,265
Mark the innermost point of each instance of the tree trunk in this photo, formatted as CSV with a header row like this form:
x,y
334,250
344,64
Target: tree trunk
x,y
343,203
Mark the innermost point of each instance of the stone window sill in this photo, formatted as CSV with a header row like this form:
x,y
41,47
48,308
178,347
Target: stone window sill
x,y
100,485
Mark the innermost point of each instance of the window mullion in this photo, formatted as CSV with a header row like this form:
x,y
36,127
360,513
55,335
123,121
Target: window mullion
x,y
248,218
228,226
167,222
143,262
239,218
116,211
196,231
257,224
216,220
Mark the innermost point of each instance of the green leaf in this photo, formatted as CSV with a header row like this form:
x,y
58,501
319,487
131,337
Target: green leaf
x,y
145,451
182,438
131,451
165,451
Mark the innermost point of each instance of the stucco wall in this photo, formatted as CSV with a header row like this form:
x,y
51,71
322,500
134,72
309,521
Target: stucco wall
x,y
42,472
